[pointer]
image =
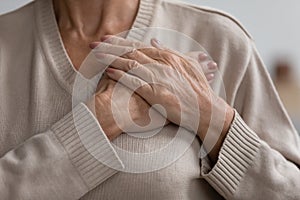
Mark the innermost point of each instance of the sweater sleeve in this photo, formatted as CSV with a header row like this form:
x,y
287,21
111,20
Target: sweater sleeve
x,y
260,156
55,164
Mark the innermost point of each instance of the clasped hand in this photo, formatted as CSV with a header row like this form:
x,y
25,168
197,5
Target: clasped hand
x,y
158,76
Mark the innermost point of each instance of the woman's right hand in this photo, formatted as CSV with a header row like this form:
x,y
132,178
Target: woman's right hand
x,y
115,115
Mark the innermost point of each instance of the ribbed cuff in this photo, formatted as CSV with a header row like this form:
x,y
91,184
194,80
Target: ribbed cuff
x,y
236,156
87,146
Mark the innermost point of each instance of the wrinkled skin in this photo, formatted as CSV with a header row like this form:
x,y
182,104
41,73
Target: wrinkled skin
x,y
138,107
176,82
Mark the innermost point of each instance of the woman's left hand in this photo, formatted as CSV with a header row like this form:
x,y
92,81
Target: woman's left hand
x,y
162,76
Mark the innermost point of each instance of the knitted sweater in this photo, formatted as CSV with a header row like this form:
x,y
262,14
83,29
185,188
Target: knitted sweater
x,y
43,157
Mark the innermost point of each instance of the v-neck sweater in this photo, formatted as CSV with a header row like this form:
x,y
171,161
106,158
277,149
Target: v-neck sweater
x,y
43,155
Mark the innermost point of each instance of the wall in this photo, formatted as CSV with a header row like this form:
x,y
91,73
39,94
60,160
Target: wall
x,y
273,24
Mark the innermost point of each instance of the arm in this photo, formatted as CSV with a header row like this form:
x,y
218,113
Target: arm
x,y
258,162
55,164
260,155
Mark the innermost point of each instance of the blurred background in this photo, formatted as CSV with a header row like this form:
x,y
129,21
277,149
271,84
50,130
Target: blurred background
x,y
273,25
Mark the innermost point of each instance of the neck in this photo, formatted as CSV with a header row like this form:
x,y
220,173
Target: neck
x,y
95,17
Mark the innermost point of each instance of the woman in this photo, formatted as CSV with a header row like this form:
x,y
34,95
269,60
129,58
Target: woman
x,y
42,156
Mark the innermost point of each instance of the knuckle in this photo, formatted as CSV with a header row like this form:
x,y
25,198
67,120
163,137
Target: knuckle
x,y
170,56
150,51
132,54
111,83
137,83
132,64
129,55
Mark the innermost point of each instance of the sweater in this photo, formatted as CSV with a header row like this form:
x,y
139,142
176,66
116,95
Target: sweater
x,y
43,157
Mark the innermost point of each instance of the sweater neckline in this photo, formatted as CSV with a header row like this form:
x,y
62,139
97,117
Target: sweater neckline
x,y
53,47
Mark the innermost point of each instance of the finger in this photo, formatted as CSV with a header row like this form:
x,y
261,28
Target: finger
x,y
134,83
94,45
131,48
161,54
112,49
139,56
124,51
156,43
132,67
173,60
212,66
210,77
209,67
177,61
206,63
116,40
156,54
117,62
203,57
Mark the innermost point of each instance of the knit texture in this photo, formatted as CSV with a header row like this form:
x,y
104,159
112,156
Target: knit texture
x,y
78,126
51,149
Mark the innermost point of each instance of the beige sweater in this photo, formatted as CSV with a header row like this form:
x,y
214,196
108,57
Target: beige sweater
x,y
42,157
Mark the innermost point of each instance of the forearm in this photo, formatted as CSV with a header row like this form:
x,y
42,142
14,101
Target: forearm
x,y
59,163
215,130
248,168
40,169
214,153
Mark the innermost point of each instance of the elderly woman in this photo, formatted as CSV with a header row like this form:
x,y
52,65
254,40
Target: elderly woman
x,y
256,154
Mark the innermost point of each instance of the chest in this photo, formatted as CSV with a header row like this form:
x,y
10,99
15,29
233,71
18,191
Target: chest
x,y
180,180
77,50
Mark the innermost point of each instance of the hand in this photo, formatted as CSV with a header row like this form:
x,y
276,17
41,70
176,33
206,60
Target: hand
x,y
112,114
138,107
209,67
165,77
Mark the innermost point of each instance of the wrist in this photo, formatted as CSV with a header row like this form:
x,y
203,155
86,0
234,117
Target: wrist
x,y
103,114
215,127
214,153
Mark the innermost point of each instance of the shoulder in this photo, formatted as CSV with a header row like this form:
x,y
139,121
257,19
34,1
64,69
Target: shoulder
x,y
16,33
221,34
224,38
205,17
17,22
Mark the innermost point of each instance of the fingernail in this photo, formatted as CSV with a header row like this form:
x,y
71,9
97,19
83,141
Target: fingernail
x,y
202,56
212,65
109,70
105,37
156,43
210,76
93,45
